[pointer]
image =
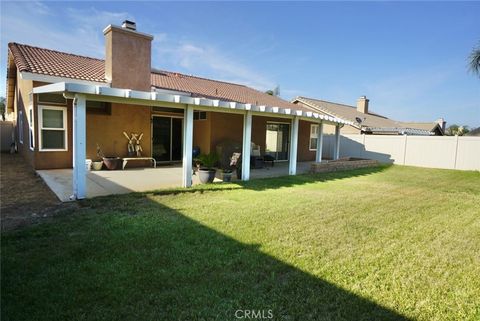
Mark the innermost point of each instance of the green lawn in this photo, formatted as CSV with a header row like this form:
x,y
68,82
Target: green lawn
x,y
394,243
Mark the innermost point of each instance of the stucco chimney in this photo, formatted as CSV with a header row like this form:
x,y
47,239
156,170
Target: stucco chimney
x,y
362,104
128,56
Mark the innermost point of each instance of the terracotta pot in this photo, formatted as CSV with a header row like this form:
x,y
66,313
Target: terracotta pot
x,y
112,163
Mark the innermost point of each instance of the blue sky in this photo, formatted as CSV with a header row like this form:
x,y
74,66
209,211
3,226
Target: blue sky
x,y
409,58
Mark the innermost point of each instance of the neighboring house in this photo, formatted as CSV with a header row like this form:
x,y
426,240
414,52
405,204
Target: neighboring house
x,y
474,132
123,93
367,122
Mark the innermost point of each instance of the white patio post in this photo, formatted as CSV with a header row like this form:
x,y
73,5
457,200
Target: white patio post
x,y
292,165
318,155
337,142
247,145
79,147
187,146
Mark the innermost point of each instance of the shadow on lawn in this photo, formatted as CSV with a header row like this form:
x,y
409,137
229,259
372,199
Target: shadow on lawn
x,y
261,184
158,265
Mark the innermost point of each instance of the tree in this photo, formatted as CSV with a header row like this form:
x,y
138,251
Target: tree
x,y
457,130
474,61
274,92
2,107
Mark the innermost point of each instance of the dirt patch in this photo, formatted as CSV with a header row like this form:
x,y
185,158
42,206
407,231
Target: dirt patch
x,y
24,197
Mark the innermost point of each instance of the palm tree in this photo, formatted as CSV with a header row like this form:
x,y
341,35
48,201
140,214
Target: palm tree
x,y
474,61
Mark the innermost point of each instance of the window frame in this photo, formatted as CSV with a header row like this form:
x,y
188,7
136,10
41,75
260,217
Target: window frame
x,y
41,128
31,128
20,126
199,112
313,136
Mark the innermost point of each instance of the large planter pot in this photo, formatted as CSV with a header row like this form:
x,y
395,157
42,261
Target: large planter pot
x,y
206,175
112,163
239,172
227,176
96,166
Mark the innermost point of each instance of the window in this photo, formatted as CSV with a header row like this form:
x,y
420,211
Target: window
x,y
31,132
313,137
49,98
52,128
20,126
199,115
99,107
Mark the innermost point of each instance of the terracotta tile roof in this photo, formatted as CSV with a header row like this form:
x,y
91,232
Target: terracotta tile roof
x,y
209,88
54,63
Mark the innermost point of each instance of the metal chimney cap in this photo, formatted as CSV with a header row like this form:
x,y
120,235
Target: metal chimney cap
x,y
131,25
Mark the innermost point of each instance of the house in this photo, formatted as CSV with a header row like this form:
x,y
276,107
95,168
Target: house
x,y
474,132
363,121
65,105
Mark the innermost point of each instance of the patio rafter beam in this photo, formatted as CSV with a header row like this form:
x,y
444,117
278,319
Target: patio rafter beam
x,y
127,96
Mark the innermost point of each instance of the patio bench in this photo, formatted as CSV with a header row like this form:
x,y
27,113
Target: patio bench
x,y
127,159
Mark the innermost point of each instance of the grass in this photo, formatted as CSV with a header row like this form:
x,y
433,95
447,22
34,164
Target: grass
x,y
394,243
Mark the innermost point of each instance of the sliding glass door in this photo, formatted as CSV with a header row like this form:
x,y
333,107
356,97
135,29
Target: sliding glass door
x,y
278,136
167,138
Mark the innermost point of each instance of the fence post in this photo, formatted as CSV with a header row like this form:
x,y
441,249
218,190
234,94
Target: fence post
x,y
405,149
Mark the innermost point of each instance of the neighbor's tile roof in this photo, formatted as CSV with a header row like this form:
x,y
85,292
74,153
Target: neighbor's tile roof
x,y
371,120
426,126
54,63
347,112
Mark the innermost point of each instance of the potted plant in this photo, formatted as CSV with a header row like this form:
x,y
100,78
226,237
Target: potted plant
x,y
111,162
227,175
98,164
206,172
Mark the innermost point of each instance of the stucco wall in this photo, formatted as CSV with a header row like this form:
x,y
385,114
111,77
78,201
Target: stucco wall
x,y
47,159
303,150
202,133
229,127
107,130
21,103
226,127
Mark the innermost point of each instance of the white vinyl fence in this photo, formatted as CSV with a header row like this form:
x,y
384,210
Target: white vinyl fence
x,y
451,152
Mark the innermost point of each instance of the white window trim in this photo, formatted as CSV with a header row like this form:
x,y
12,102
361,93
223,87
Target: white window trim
x,y
312,136
31,128
40,127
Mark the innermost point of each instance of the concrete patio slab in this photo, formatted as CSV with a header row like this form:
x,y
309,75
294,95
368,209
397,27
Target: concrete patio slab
x,y
102,183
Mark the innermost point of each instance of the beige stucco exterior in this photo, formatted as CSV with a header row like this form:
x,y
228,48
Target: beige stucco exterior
x,y
106,130
128,58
